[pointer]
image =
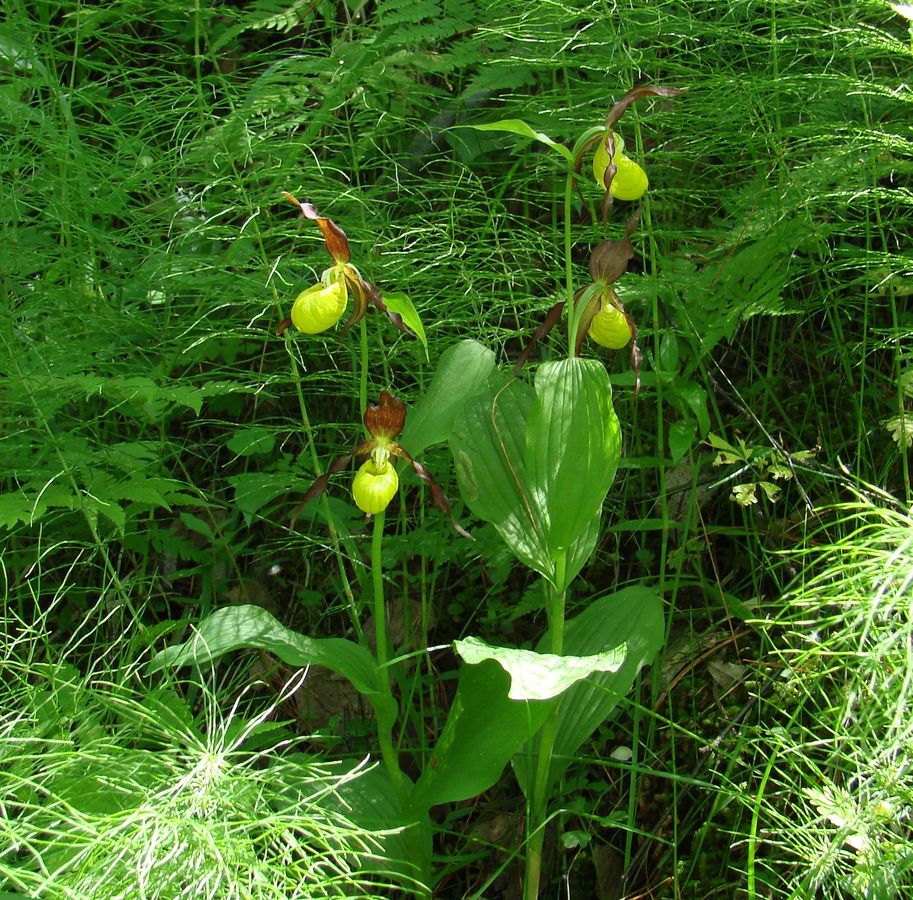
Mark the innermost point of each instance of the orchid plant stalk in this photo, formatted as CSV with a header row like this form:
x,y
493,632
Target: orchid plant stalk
x,y
574,398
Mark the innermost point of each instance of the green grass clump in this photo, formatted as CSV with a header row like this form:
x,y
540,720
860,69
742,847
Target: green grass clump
x,y
113,790
832,791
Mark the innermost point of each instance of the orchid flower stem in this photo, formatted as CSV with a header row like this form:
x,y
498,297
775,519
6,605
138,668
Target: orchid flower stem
x,y
334,537
377,575
363,374
545,741
568,264
384,730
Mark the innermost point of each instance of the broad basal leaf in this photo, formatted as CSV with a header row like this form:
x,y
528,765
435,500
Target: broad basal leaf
x,y
484,729
236,627
539,676
633,617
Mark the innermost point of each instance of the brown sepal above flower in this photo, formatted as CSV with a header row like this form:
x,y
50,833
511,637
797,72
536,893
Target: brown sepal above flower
x,y
334,237
636,93
385,419
609,260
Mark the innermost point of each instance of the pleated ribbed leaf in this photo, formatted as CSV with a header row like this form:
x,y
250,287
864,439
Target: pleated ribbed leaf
x,y
537,464
488,447
573,444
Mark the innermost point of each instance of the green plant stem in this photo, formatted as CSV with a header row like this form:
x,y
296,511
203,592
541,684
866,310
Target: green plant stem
x,y
377,577
384,730
363,374
538,799
569,265
354,616
753,830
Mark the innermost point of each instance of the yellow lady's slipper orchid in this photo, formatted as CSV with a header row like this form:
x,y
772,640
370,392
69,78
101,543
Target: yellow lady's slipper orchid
x,y
604,317
610,327
374,486
630,182
376,480
320,306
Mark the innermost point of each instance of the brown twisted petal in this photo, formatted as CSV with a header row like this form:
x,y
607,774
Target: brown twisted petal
x,y
377,298
334,237
387,418
542,332
438,497
320,483
360,290
644,90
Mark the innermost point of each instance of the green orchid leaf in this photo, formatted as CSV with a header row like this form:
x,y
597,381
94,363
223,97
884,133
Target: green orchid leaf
x,y
519,127
488,444
462,372
573,445
237,627
537,464
581,548
539,676
402,305
692,396
633,617
484,729
681,438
